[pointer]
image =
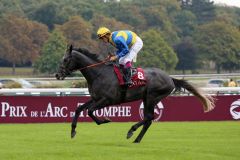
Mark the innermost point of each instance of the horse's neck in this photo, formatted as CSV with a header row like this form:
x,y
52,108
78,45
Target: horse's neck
x,y
90,73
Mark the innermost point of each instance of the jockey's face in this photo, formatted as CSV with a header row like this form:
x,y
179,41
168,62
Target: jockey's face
x,y
105,38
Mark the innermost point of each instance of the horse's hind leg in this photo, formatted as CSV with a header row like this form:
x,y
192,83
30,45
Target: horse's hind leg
x,y
77,113
148,117
151,102
134,128
137,125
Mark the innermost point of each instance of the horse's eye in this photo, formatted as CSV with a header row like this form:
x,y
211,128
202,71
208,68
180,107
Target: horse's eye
x,y
64,60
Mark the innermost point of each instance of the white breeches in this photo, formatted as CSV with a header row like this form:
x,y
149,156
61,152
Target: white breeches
x,y
133,51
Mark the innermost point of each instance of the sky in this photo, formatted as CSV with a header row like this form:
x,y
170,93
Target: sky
x,y
229,2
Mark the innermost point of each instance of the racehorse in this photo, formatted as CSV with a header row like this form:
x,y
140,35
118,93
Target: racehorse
x,y
105,90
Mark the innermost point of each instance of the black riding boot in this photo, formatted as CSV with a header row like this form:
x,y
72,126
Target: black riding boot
x,y
128,75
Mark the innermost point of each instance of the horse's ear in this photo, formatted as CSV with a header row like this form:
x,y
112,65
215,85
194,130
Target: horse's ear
x,y
70,48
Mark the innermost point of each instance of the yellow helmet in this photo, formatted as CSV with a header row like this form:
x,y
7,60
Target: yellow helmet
x,y
102,32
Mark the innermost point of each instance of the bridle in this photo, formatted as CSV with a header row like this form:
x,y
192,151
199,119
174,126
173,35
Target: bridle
x,y
67,71
95,64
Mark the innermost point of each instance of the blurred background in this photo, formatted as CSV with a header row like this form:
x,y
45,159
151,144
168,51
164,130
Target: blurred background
x,y
198,40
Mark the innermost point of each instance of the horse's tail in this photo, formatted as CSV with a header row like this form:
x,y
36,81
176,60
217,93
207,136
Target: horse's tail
x,y
207,100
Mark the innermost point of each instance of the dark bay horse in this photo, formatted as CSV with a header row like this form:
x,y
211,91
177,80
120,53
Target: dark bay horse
x,y
105,90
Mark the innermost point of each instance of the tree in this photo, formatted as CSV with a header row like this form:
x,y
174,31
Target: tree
x,y
237,16
10,7
79,33
160,15
20,39
48,14
186,22
226,15
101,20
156,52
187,55
203,9
219,42
52,52
125,12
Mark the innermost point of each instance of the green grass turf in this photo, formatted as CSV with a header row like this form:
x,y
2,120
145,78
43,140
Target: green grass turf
x,y
163,141
7,71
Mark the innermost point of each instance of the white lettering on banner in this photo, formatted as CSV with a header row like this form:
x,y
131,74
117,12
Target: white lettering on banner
x,y
54,111
13,111
234,106
107,112
81,113
34,113
121,112
112,111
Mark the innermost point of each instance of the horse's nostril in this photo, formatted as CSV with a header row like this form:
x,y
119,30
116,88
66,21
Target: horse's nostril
x,y
57,76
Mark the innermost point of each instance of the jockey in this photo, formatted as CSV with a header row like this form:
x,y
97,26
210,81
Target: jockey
x,y
128,45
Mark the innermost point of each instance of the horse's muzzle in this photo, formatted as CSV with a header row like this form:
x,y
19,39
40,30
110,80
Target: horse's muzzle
x,y
59,77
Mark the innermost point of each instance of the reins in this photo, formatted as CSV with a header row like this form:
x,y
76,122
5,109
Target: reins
x,y
96,64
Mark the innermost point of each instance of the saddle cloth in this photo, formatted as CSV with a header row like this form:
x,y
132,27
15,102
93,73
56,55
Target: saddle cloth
x,y
138,77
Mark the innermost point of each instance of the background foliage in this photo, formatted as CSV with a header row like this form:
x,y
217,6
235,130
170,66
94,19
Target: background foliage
x,y
175,32
52,52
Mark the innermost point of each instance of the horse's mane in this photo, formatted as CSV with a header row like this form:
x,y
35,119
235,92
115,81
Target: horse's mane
x,y
84,51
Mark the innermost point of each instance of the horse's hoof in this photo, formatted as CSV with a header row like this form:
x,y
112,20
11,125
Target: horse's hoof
x,y
129,135
107,120
136,141
73,133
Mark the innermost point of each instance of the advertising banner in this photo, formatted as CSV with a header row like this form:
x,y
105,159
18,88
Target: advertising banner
x,y
45,109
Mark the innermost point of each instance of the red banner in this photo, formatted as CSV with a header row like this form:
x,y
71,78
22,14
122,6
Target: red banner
x,y
30,109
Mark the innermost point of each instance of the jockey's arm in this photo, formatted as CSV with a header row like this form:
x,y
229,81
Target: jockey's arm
x,y
121,46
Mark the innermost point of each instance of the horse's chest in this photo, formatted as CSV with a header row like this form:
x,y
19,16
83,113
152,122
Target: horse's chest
x,y
96,92
103,91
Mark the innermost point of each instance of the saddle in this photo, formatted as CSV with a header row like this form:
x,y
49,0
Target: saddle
x,y
138,78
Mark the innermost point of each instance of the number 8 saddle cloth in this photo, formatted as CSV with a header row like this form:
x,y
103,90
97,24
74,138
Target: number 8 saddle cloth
x,y
138,77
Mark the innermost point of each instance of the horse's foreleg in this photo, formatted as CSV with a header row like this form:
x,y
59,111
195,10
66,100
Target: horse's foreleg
x,y
98,105
77,113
